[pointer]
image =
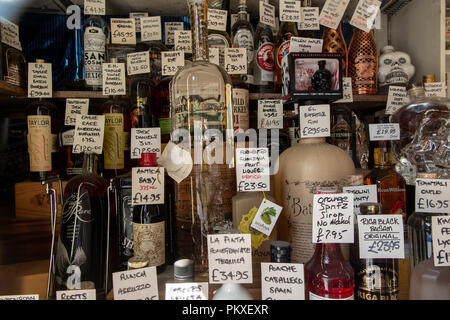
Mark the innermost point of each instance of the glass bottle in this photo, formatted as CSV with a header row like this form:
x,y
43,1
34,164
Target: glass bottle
x,y
154,48
307,33
280,252
321,79
140,97
217,38
13,66
82,243
184,271
95,40
287,30
333,41
161,102
292,125
201,98
341,128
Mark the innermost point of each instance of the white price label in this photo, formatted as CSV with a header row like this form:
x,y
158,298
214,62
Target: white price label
x,y
270,114
290,10
214,56
94,7
147,185
384,131
432,195
138,63
113,77
171,61
282,281
440,230
169,29
151,29
365,14
365,193
183,40
315,121
347,91
21,297
252,169
236,60
217,19
187,291
89,132
40,80
267,14
266,217
332,13
123,31
9,33
309,19
299,44
138,284
89,294
137,19
145,140
397,98
73,108
435,89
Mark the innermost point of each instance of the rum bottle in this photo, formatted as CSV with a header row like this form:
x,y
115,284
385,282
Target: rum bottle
x,y
95,40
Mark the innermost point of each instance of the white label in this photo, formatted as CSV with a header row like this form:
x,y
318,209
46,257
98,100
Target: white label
x,y
384,131
270,114
236,60
123,31
440,228
40,80
214,56
137,19
171,61
252,169
138,63
365,14
145,140
139,284
432,195
94,7
290,10
89,132
89,294
266,217
187,291
299,44
21,297
282,281
435,89
315,121
151,29
365,193
113,77
347,91
381,236
147,185
217,19
333,218
230,258
183,40
67,137
74,107
310,19
332,13
397,98
267,14
169,28
10,33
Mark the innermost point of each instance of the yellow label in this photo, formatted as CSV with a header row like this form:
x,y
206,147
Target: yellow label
x,y
113,144
149,241
39,143
257,237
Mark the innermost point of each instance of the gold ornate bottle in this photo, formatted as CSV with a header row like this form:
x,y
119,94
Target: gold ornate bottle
x,y
333,41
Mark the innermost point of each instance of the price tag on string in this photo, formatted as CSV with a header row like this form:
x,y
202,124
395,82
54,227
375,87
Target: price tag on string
x,y
282,281
171,61
397,98
432,195
365,13
147,185
384,131
347,91
435,89
236,60
252,169
332,13
309,19
40,80
170,28
138,284
9,33
315,121
137,19
365,193
187,291
217,19
267,14
266,217
333,218
230,258
440,231
290,10
270,114
381,236
123,31
151,29
94,7
145,140
299,44
113,77
183,40
138,63
71,295
89,132
214,56
73,108
22,297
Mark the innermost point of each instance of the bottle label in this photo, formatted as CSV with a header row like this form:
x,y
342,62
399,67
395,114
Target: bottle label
x,y
113,145
282,51
265,61
39,143
127,227
313,296
393,200
216,40
376,282
341,134
149,241
166,125
240,109
94,55
294,135
244,39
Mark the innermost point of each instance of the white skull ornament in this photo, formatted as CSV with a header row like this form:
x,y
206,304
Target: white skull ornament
x,y
394,67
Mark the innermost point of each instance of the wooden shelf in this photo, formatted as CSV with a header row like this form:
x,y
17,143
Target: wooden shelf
x,y
79,94
8,89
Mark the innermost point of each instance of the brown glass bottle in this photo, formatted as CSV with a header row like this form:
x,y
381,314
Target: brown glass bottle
x,y
287,30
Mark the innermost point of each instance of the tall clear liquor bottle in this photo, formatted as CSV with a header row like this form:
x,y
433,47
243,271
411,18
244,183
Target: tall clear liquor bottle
x,y
96,35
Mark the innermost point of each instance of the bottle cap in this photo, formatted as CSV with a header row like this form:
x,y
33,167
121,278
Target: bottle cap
x,y
426,175
40,61
280,251
429,78
148,160
183,270
113,60
137,262
370,208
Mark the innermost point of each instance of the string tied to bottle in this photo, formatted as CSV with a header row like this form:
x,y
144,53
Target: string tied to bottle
x,y
264,195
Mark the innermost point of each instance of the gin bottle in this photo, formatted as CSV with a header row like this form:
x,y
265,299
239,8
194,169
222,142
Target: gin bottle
x,y
95,39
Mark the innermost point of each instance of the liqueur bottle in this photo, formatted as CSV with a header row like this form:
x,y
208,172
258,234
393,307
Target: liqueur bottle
x,y
217,38
287,30
140,97
333,41
95,41
341,128
82,243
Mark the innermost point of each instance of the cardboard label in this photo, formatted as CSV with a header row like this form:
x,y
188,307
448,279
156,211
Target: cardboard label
x,y
89,294
39,143
435,89
187,291
74,107
266,217
432,195
183,40
440,228
138,284
10,33
397,98
145,140
217,19
113,75
252,169
267,14
332,13
89,132
236,60
290,10
147,185
138,63
169,28
384,131
137,19
151,29
299,44
94,7
171,61
365,14
347,91
310,19
270,114
315,121
40,80
282,281
123,31
365,193
21,297
214,56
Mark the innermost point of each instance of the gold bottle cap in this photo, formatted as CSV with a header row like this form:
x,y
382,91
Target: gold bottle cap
x,y
370,208
137,263
429,78
40,61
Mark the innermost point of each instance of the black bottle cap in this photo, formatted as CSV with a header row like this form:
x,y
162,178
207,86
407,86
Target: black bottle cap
x,y
280,251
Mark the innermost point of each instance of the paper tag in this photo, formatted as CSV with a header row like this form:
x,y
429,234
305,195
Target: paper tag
x,y
187,291
138,284
282,281
89,294
440,228
94,7
270,114
145,140
123,31
89,132
333,218
384,131
236,60
177,161
137,19
252,169
381,236
217,19
309,19
365,193
74,107
435,89
171,61
299,44
214,56
267,14
40,80
147,185
183,40
169,29
21,297
347,91
315,121
365,14
10,33
266,217
332,13
113,77
151,29
432,195
397,98
290,10
138,63
230,258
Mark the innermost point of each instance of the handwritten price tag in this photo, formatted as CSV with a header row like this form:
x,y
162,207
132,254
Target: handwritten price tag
x,y
171,61
365,14
236,60
315,121
384,131
137,19
187,291
151,29
299,44
440,228
40,80
9,33
138,63
282,281
94,7
139,284
432,195
183,40
267,14
123,31
113,79
270,114
332,13
217,19
252,169
397,98
435,89
89,132
170,28
145,140
147,185
310,19
214,56
21,297
365,193
290,10
347,91
73,108
89,294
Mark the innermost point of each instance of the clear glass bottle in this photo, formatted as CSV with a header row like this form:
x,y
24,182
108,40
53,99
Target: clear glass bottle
x,y
96,35
287,30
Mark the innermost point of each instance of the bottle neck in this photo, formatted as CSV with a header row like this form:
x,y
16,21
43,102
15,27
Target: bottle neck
x,y
89,163
327,252
382,156
198,10
242,14
416,93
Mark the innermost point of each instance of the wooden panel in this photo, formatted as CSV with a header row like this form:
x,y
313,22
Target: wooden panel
x,y
79,94
11,90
